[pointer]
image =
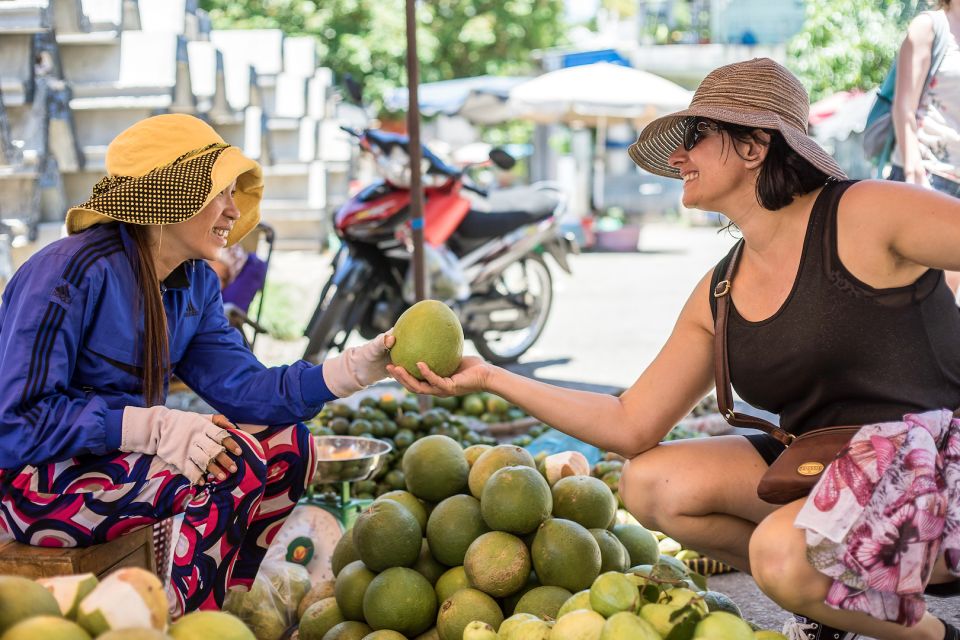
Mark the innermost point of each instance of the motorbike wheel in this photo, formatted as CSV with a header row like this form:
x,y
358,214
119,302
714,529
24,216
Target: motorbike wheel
x,y
330,323
528,277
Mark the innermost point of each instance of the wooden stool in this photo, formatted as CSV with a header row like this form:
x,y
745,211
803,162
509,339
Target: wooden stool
x,y
132,550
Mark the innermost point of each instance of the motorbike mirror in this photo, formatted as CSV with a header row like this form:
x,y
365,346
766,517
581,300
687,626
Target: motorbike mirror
x,y
502,159
354,88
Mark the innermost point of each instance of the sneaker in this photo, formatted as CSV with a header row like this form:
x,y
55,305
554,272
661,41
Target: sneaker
x,y
802,628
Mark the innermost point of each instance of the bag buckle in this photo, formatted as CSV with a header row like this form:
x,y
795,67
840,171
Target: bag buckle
x,y
722,289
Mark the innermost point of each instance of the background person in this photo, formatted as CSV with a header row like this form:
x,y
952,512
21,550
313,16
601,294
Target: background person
x,y
926,124
91,328
840,316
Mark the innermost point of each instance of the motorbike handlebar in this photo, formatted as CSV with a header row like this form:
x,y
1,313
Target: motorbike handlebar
x,y
477,190
354,132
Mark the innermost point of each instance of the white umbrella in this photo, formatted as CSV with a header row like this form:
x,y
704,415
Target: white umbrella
x,y
600,90
594,94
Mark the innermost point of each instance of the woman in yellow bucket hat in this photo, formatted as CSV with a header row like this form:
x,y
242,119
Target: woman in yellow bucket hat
x,y
91,329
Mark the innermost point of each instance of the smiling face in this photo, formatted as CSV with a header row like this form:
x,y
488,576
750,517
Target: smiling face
x,y
715,170
204,235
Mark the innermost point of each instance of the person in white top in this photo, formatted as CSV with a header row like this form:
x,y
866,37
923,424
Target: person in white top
x,y
927,125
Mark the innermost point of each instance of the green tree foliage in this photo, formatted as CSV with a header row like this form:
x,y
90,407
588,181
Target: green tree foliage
x,y
848,44
367,38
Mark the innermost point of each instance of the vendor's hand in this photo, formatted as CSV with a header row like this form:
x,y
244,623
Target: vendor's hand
x,y
471,376
358,367
222,465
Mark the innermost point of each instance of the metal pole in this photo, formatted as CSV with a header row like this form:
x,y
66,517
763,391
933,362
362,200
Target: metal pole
x,y
413,131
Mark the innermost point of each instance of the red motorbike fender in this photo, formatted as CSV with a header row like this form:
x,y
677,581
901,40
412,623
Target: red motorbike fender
x,y
442,214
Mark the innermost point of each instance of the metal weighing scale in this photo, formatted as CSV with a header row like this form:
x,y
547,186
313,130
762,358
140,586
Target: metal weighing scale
x,y
342,460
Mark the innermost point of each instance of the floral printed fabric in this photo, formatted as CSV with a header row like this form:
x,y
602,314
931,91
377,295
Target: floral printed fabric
x,y
883,512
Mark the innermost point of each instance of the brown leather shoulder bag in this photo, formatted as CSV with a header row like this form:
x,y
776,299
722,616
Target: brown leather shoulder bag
x,y
794,473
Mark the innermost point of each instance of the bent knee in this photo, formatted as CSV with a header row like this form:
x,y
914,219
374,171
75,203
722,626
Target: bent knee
x,y
779,564
645,492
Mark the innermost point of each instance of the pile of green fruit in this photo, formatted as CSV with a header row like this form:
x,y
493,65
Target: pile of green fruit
x,y
480,535
127,604
397,420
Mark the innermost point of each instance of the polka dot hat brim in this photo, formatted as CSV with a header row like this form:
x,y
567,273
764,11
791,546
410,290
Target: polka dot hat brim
x,y
176,192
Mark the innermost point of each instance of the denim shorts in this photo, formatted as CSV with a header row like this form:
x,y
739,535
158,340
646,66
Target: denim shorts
x,y
941,184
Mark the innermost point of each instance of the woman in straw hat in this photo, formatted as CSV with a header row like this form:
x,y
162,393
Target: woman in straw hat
x,y
92,327
840,316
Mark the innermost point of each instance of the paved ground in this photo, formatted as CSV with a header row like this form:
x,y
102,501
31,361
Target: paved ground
x,y
609,320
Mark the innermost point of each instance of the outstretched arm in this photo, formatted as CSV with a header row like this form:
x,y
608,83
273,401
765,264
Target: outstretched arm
x,y
680,375
913,64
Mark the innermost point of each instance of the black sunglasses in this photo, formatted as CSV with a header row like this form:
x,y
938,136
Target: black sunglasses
x,y
694,131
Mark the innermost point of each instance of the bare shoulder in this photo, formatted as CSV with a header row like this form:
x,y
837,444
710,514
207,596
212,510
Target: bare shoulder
x,y
884,205
696,313
920,30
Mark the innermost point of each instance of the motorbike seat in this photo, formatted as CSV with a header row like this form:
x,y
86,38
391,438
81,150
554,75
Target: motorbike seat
x,y
507,209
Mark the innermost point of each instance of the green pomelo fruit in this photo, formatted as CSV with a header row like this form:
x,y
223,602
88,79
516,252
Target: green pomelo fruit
x,y
514,621
68,591
661,617
509,604
319,618
497,563
649,588
411,503
613,592
498,457
450,582
343,553
584,500
581,624
543,602
22,599
669,568
428,332
579,600
516,500
717,601
400,599
320,591
479,630
613,555
669,546
464,607
134,634
428,566
627,626
385,634
350,588
565,555
429,634
640,543
681,597
721,624
435,468
201,625
473,404
387,535
47,628
349,630
531,630
453,525
474,451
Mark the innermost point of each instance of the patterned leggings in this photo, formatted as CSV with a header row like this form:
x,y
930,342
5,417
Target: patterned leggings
x,y
227,525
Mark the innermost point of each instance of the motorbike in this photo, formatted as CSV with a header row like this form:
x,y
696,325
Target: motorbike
x,y
485,252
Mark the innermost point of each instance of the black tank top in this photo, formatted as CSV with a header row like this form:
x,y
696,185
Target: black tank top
x,y
839,352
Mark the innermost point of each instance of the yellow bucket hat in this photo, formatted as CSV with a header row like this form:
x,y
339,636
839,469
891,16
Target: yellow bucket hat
x,y
165,170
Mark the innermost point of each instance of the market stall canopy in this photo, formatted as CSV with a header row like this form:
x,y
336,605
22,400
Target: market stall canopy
x,y
587,92
481,100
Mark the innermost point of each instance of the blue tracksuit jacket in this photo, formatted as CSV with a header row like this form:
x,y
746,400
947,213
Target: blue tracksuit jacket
x,y
71,354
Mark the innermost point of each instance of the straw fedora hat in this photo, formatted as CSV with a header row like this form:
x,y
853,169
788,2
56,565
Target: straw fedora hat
x,y
166,169
756,93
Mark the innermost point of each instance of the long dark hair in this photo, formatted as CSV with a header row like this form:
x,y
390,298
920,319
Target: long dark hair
x,y
785,174
156,344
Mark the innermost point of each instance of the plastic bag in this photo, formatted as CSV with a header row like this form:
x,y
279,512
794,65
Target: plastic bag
x,y
308,537
269,608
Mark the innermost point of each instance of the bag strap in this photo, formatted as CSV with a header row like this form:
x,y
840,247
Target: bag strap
x,y
721,363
